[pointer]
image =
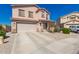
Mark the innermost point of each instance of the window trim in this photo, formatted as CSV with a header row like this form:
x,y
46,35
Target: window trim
x,y
21,13
30,14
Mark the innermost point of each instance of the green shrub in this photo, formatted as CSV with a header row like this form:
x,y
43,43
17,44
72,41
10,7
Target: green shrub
x,y
2,33
65,30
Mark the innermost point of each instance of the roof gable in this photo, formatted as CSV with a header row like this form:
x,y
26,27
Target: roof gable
x,y
42,9
70,14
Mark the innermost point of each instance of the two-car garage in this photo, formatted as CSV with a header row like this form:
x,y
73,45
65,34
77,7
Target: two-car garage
x,y
26,27
23,26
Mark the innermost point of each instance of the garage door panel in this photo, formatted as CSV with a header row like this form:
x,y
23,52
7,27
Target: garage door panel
x,y
26,27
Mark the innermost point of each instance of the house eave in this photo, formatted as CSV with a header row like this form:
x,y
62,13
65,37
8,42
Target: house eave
x,y
24,5
19,19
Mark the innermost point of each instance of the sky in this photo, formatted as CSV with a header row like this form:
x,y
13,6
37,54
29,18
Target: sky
x,y
58,10
55,10
5,13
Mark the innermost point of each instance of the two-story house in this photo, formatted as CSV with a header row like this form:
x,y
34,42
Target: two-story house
x,y
29,17
68,20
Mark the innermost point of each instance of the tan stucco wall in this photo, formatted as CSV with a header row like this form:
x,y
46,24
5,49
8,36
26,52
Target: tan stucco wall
x,y
36,16
15,12
66,26
13,27
39,27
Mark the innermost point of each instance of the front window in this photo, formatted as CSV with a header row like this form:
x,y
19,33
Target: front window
x,y
21,13
30,14
43,15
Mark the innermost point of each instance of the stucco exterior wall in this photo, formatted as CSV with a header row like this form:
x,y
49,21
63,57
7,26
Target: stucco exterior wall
x,y
39,14
66,26
13,27
36,16
15,13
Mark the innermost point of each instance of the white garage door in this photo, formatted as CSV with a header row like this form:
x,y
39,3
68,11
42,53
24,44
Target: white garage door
x,y
26,27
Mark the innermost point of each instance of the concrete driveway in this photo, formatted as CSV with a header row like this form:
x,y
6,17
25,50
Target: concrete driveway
x,y
45,43
41,43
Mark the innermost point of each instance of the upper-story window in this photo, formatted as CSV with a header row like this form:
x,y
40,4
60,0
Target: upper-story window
x,y
77,17
30,14
64,18
21,13
43,14
73,17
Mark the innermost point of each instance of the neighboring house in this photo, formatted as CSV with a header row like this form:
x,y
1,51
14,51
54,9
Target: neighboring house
x,y
29,17
69,20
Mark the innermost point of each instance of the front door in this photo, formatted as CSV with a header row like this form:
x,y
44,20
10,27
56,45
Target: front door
x,y
45,26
